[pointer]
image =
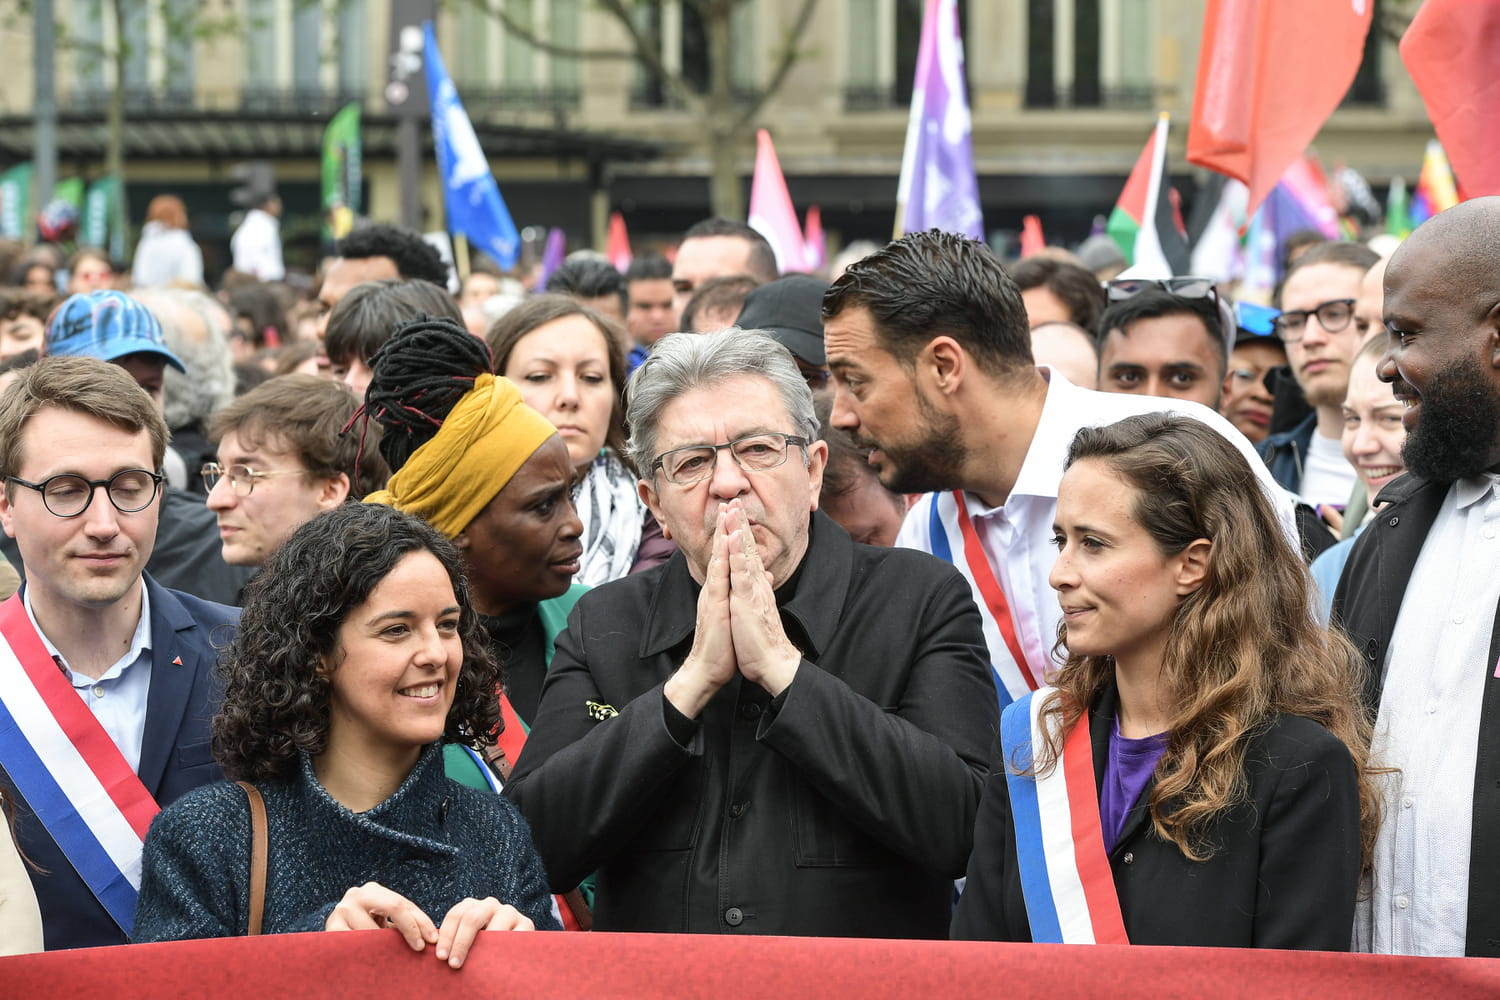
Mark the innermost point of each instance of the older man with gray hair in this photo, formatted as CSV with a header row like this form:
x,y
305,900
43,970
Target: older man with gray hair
x,y
778,731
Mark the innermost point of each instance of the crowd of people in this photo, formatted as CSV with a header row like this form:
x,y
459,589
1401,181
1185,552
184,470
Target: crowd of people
x,y
934,597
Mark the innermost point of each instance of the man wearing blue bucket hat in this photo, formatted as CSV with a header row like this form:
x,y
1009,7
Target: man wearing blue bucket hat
x,y
111,326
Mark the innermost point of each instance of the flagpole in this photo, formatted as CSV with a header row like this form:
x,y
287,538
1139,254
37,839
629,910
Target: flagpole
x,y
461,255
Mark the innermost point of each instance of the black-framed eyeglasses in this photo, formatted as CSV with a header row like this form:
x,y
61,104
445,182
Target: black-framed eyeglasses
x,y
1333,316
753,453
67,495
241,477
1187,287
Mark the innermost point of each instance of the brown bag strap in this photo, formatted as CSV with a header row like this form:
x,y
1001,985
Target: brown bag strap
x,y
259,847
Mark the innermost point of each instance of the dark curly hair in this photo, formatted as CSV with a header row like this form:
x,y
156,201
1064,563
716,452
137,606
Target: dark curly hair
x,y
275,700
413,256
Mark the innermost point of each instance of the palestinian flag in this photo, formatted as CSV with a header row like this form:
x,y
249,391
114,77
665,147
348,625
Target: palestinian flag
x,y
1144,222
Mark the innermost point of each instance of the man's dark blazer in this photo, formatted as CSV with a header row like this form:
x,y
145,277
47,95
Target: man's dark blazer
x,y
1284,872
175,757
1366,604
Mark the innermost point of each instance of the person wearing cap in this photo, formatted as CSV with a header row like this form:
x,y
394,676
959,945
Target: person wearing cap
x,y
1168,342
115,327
80,455
778,731
787,310
1245,398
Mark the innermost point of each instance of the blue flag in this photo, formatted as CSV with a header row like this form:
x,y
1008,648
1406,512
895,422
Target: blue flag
x,y
470,194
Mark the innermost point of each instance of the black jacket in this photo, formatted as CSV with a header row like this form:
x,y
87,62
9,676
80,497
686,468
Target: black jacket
x,y
1284,872
845,808
1366,604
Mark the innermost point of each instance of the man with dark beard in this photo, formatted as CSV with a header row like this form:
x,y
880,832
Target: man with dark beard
x,y
931,362
1420,592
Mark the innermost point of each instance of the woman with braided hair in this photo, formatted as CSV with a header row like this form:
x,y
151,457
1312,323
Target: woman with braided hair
x,y
490,473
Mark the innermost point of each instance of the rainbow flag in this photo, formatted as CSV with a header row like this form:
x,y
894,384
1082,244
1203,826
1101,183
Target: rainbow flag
x,y
1435,191
1142,222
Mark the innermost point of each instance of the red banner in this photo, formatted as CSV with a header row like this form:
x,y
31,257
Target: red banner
x,y
378,964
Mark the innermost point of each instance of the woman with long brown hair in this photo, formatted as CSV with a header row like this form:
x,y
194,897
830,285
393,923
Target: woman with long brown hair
x,y
1198,774
20,919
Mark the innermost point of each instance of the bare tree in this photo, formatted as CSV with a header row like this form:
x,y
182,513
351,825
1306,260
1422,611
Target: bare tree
x,y
726,115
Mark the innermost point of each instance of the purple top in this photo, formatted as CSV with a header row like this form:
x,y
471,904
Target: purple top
x,y
1127,772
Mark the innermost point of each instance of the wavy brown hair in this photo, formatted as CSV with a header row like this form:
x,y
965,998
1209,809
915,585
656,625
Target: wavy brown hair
x,y
275,699
1244,647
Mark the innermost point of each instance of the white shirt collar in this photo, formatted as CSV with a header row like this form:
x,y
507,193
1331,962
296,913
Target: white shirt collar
x,y
140,640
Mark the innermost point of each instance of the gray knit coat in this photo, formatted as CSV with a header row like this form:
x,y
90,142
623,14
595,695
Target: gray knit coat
x,y
434,841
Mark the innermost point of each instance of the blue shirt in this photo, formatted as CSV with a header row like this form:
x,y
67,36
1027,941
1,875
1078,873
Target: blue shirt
x,y
118,698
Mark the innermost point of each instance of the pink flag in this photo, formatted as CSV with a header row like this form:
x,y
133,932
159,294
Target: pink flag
x,y
814,240
617,249
771,212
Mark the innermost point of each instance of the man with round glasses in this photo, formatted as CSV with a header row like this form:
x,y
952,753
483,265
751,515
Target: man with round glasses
x,y
778,731
1317,326
282,461
105,684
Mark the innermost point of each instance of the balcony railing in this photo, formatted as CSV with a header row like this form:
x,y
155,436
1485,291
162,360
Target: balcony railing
x,y
1123,97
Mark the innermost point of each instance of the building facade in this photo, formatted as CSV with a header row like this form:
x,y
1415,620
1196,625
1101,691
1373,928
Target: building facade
x,y
1063,95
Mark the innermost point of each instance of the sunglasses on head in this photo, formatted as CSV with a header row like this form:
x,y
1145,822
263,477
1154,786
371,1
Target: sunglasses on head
x,y
1186,287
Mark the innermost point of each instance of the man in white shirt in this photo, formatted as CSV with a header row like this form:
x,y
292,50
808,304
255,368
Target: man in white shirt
x,y
930,355
256,244
1419,597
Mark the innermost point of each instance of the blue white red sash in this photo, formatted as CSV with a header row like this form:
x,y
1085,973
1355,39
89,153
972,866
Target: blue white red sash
x,y
512,739
952,532
68,769
1065,873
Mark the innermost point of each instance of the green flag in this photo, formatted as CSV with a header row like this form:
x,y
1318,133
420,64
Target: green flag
x,y
16,209
94,227
341,172
1397,210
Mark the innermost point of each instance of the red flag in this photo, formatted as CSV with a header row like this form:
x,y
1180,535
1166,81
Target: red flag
x,y
617,247
1270,72
1452,51
1032,241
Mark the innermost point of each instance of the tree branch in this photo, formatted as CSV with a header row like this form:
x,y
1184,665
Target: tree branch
x,y
786,60
650,56
496,9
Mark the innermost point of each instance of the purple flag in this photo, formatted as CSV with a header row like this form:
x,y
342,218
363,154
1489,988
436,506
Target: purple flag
x,y
552,258
938,189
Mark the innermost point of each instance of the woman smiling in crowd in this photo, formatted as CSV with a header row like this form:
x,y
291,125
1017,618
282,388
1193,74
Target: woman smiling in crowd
x,y
357,655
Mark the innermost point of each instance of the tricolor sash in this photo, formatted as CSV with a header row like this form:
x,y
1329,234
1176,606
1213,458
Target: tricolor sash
x,y
68,769
1065,873
952,533
511,741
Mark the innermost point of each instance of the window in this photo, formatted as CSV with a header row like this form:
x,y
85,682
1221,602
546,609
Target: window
x,y
884,39
1090,53
496,68
678,30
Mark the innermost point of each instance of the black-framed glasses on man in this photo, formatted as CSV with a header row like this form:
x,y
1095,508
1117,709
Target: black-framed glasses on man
x,y
753,452
1333,316
241,477
67,495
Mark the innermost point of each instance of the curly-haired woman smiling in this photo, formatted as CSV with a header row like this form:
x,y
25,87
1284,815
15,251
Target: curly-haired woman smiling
x,y
358,655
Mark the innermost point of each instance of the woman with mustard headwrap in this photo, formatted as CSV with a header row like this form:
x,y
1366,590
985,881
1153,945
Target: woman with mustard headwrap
x,y
492,474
